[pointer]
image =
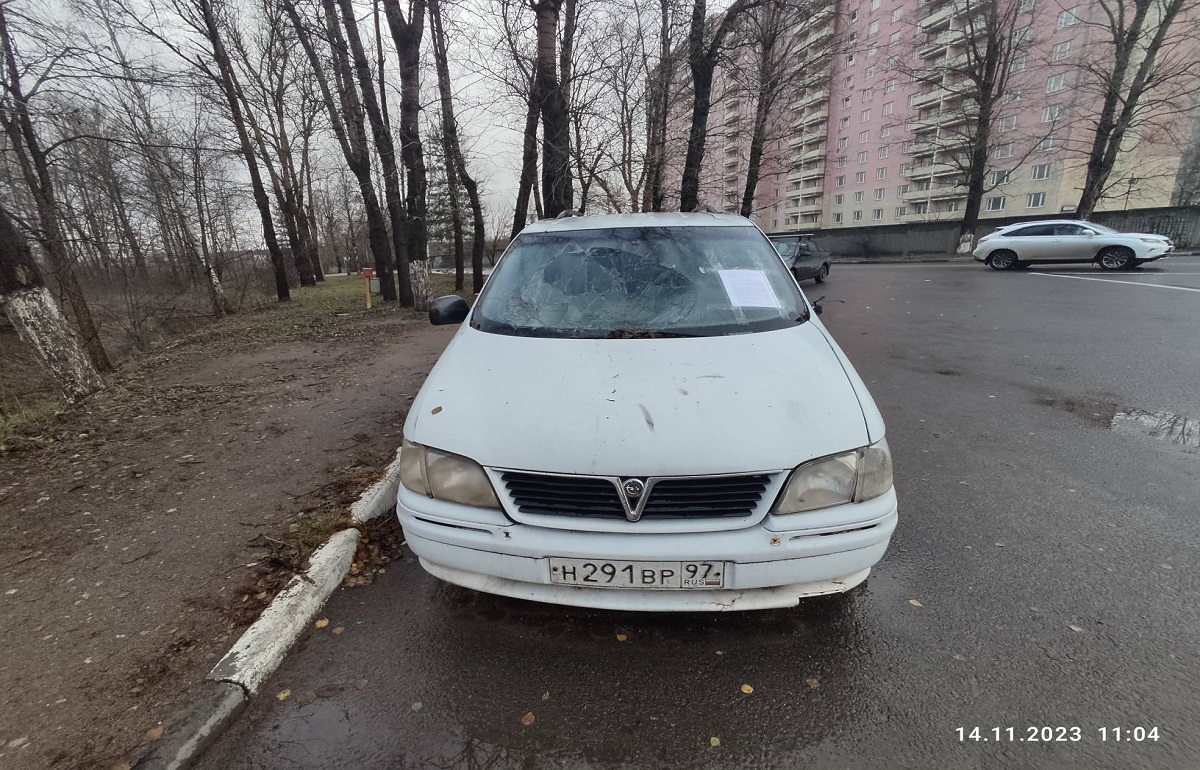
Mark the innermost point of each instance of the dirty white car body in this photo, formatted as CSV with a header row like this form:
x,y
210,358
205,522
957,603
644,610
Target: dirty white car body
x,y
648,473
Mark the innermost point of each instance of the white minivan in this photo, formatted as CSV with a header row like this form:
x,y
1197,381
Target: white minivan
x,y
643,412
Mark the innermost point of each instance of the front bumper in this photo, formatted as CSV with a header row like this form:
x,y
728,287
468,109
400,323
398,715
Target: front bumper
x,y
770,564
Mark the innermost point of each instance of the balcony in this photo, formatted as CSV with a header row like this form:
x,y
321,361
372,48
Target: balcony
x,y
936,43
811,97
806,207
814,172
930,170
820,116
939,16
817,153
926,99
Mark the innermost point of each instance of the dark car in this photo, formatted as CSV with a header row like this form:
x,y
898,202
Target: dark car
x,y
805,257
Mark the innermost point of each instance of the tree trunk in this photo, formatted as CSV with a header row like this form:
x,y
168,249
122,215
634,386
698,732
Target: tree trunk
x,y
38,321
557,189
407,37
351,136
454,156
529,159
758,137
657,109
689,192
385,149
261,200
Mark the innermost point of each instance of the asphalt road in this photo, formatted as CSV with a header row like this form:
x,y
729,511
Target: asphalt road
x,y
1042,577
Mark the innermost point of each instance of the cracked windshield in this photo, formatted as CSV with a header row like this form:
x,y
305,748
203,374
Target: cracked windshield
x,y
599,384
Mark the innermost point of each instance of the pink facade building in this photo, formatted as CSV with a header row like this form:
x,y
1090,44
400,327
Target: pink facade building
x,y
873,145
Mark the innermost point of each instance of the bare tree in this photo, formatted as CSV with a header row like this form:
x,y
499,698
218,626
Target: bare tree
x,y
407,31
971,69
1137,75
17,122
456,164
706,43
40,324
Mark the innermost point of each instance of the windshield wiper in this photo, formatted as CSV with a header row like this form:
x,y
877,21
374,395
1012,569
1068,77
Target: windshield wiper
x,y
646,334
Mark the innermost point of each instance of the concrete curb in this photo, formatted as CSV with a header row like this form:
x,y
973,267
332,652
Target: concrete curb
x,y
380,497
256,655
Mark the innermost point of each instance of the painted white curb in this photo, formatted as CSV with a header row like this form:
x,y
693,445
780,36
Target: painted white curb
x,y
380,497
261,649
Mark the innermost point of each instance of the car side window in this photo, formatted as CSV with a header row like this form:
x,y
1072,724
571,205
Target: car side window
x,y
1071,230
1025,232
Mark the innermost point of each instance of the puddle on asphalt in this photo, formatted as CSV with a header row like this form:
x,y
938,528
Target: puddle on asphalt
x,y
1164,426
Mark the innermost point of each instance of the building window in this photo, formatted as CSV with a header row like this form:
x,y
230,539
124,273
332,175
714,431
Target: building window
x,y
901,211
889,86
1008,123
863,136
872,50
1003,151
843,122
880,193
845,102
1045,144
889,108
872,70
1060,50
858,196
850,58
1026,6
897,14
1019,64
883,151
862,156
1051,113
858,216
1021,35
854,15
1041,171
881,173
842,161
873,27
921,208
848,81
1000,177
1012,96
860,177
996,203
909,146
1068,18
877,214
885,132
894,37
1036,200
837,217
843,142
1056,83
864,116
839,199
867,95
840,181
874,5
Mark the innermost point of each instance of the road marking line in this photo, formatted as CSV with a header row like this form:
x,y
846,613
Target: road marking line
x,y
1121,283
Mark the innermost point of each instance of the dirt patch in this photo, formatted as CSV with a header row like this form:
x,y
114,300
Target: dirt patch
x,y
141,532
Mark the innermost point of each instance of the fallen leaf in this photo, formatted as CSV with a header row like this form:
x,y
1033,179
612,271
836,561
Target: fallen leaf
x,y
622,637
417,706
1076,629
260,595
813,682
915,603
546,695
322,623
527,720
153,734
747,689
714,741
283,695
339,629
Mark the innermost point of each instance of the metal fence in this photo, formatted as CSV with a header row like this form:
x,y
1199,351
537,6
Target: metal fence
x,y
1180,223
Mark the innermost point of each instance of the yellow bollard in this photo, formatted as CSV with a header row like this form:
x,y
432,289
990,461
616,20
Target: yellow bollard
x,y
368,272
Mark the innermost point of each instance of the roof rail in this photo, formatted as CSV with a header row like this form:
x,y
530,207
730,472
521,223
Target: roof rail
x,y
568,213
704,208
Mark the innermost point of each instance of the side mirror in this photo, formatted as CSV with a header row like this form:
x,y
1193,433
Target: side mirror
x,y
451,309
1090,233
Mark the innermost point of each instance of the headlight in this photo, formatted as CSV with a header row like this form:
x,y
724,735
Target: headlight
x,y
1155,241
853,476
445,476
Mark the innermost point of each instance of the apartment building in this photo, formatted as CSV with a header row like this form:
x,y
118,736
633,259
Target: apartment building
x,y
873,143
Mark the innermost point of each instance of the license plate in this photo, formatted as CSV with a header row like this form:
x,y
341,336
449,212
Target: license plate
x,y
638,574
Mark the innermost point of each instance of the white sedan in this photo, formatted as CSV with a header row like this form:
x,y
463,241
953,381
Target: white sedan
x,y
643,412
1069,240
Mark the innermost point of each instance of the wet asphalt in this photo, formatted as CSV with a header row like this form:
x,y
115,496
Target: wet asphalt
x,y
1043,576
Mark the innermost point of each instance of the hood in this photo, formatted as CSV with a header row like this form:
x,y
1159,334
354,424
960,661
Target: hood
x,y
709,405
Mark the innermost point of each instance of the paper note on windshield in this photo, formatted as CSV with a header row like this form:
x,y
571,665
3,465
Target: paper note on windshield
x,y
748,288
